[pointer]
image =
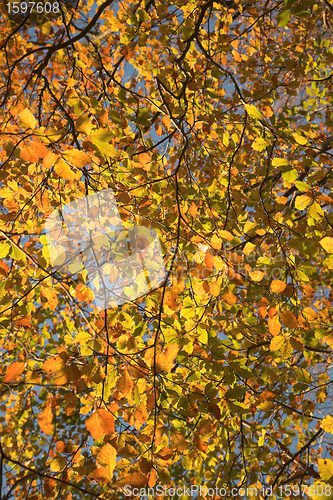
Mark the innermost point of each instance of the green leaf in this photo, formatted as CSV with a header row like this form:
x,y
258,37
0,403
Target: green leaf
x,y
283,18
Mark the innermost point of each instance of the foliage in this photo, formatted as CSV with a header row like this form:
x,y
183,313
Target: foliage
x,y
203,118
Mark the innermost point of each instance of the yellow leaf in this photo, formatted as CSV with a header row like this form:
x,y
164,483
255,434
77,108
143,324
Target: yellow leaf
x,y
83,124
302,201
249,247
309,314
278,286
225,235
107,458
288,319
260,144
277,342
216,242
253,111
58,464
327,244
325,466
77,158
277,162
299,139
64,170
13,371
327,424
27,119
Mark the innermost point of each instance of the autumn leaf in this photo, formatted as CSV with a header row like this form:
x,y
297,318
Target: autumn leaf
x,y
165,359
64,170
125,383
274,324
102,138
13,372
327,244
325,468
288,319
84,293
134,479
277,286
44,420
252,111
302,202
33,151
76,158
327,424
107,459
27,119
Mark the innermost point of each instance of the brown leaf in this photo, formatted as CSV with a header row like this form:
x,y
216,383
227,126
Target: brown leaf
x,y
288,319
199,443
49,485
135,479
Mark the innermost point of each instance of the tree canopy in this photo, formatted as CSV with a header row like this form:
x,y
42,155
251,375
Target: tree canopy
x,y
205,121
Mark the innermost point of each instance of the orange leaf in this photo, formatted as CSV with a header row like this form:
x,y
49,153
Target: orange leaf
x,y
45,420
193,209
54,364
107,458
33,152
274,324
199,443
124,383
101,422
164,360
278,286
288,319
84,294
141,416
152,478
229,298
13,372
144,158
209,260
64,171
135,479
77,158
49,160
